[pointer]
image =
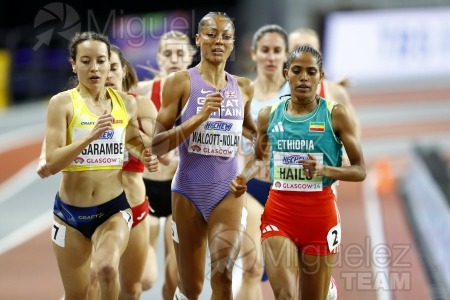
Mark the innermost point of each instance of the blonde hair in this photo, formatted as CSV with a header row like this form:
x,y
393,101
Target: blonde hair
x,y
307,30
180,36
174,35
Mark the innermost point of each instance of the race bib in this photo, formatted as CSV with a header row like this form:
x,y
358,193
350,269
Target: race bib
x,y
334,237
107,150
288,172
59,234
217,137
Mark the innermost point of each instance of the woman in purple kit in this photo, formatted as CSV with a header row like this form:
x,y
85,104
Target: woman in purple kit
x,y
204,113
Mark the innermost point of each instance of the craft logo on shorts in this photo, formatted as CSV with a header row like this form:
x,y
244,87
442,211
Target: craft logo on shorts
x,y
56,17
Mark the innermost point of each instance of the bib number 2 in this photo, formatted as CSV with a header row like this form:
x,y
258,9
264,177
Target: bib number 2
x,y
334,237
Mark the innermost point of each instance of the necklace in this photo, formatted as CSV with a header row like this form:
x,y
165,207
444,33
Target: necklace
x,y
209,79
100,98
315,98
208,71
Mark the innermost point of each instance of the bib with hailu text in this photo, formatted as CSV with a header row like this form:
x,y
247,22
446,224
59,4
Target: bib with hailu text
x,y
288,172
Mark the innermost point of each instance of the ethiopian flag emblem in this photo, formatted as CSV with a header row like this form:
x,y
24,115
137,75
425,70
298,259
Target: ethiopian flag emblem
x,y
317,126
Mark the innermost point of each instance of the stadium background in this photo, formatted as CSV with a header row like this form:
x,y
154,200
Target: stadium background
x,y
396,56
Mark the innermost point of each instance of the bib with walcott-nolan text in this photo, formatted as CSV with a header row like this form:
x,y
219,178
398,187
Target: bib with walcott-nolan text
x,y
218,137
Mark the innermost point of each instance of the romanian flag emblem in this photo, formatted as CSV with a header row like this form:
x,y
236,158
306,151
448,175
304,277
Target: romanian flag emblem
x,y
317,126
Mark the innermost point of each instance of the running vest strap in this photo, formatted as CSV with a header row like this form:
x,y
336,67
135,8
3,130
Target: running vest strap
x,y
258,105
156,93
322,91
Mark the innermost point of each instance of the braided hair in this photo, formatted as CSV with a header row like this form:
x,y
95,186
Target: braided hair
x,y
306,49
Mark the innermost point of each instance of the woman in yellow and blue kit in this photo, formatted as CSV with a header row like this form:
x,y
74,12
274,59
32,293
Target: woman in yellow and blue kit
x,y
87,130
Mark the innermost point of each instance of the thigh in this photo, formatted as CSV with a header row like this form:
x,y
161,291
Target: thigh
x,y
168,241
133,260
281,261
73,255
110,239
226,226
315,275
189,240
251,240
154,230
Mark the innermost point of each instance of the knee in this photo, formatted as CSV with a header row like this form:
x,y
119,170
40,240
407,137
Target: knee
x,y
76,294
193,291
252,268
221,270
107,273
147,283
132,290
149,276
253,272
284,294
222,280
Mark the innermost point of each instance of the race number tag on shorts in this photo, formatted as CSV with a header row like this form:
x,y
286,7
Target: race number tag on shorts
x,y
244,217
334,237
288,172
126,156
218,137
127,216
59,234
175,232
